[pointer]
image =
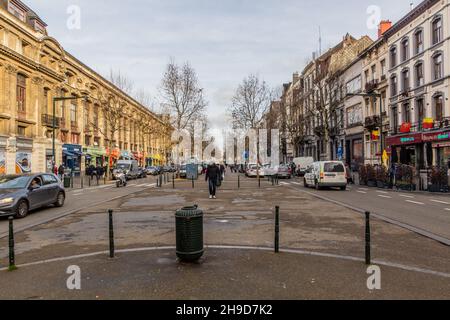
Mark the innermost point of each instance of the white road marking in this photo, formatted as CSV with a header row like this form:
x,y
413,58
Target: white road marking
x,y
297,183
415,202
447,209
387,197
439,201
406,196
384,192
284,183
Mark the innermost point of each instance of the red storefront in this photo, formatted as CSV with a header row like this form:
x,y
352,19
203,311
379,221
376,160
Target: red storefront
x,y
439,143
406,149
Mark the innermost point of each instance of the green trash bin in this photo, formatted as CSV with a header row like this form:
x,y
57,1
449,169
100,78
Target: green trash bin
x,y
189,233
67,181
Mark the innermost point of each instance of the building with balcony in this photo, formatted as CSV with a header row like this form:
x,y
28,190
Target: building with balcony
x,y
34,69
419,78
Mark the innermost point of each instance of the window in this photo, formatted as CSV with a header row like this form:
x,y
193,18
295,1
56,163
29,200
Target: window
x,y
86,117
438,66
96,117
374,72
21,92
63,137
393,56
49,179
394,89
73,112
394,117
405,80
405,50
406,113
420,111
438,107
16,11
420,80
366,76
87,140
436,27
418,42
62,110
383,68
21,131
75,138
45,108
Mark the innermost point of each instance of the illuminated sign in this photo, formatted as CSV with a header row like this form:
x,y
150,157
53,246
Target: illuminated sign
x,y
407,140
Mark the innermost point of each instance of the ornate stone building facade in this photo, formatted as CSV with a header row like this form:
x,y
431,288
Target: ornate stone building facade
x,y
35,69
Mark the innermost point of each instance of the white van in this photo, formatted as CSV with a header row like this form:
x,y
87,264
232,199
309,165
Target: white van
x,y
326,174
129,167
302,164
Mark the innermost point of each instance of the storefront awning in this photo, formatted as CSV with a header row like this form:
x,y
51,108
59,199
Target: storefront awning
x,y
69,154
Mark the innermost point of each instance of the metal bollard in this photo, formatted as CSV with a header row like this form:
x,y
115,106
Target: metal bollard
x,y
368,245
104,180
277,229
173,180
12,257
82,182
193,183
111,234
89,179
259,182
71,180
239,181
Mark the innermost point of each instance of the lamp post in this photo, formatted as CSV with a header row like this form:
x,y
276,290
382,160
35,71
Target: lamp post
x,y
56,99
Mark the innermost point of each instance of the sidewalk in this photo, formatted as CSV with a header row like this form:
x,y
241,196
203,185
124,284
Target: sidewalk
x,y
239,217
223,274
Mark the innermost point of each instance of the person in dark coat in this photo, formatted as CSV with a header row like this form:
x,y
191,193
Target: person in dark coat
x,y
212,176
61,171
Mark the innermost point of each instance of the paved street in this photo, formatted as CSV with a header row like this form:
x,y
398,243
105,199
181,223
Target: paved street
x,y
423,212
322,247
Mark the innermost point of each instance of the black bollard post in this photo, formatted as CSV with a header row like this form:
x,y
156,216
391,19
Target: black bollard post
x,y
239,181
82,181
193,183
71,180
12,257
173,180
104,179
111,234
277,229
368,245
259,181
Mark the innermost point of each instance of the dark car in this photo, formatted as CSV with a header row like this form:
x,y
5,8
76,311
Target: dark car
x,y
21,193
142,173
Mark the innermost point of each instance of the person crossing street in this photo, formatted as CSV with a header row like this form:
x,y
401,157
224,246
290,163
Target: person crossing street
x,y
212,176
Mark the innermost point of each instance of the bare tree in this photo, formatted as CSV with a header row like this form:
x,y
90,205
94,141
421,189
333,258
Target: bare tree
x,y
182,94
144,98
250,103
122,82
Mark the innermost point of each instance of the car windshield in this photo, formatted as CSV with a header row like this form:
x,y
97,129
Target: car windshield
x,y
334,167
123,166
13,182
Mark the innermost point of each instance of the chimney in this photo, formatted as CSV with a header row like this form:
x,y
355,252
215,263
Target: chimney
x,y
385,25
295,78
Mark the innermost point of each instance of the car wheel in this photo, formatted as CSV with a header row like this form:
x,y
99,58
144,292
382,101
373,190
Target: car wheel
x,y
60,200
21,209
344,188
305,184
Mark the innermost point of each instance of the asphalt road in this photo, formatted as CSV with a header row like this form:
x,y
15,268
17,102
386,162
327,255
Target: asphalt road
x,y
428,214
77,200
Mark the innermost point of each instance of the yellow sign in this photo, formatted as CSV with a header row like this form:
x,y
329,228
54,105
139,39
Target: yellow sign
x,y
385,158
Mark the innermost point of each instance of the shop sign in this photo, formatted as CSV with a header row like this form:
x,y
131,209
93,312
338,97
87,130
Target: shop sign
x,y
436,136
404,140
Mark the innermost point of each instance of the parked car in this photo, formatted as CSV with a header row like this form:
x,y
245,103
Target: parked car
x,y
282,171
151,171
183,171
142,173
253,171
19,194
326,174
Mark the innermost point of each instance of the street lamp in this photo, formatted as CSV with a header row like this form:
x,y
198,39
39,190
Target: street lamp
x,y
56,99
374,95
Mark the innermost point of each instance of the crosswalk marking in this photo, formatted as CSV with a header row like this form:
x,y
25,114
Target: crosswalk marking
x,y
382,196
415,202
438,201
406,196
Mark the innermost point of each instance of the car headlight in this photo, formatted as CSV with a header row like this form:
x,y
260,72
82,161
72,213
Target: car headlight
x,y
7,201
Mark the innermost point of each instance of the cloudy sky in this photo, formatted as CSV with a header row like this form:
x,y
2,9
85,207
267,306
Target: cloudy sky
x,y
224,40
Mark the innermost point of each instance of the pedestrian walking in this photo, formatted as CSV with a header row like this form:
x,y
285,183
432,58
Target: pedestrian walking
x,y
212,176
61,170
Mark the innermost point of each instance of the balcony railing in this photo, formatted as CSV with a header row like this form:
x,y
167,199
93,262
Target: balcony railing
x,y
419,127
47,120
372,122
371,86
